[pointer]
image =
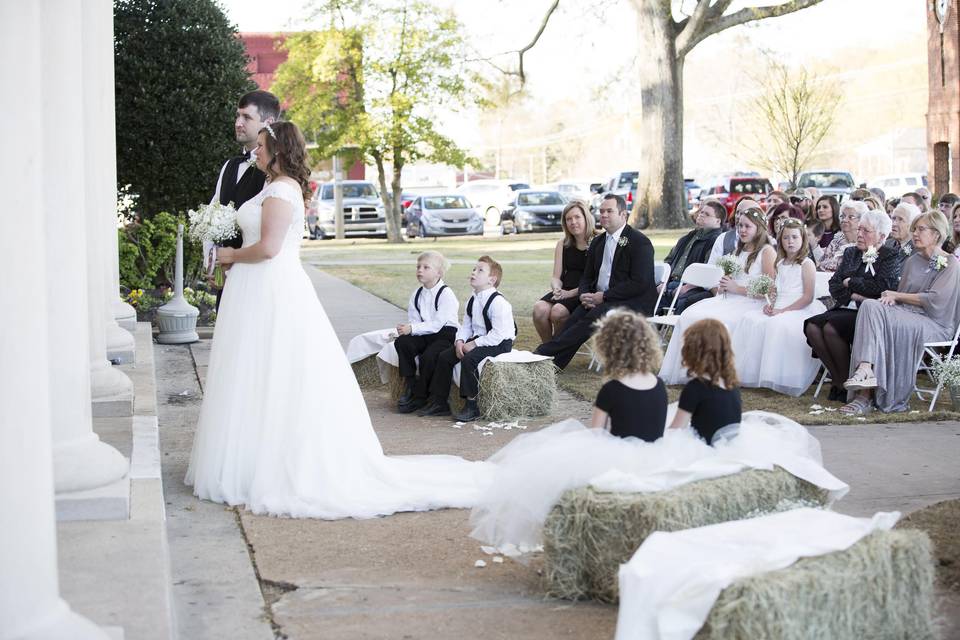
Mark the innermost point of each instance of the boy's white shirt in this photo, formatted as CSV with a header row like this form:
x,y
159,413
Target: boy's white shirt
x,y
501,320
431,319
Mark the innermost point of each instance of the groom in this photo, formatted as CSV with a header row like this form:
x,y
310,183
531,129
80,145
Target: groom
x,y
240,179
618,273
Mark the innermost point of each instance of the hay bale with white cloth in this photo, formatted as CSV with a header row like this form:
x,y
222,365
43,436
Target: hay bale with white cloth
x,y
801,574
362,353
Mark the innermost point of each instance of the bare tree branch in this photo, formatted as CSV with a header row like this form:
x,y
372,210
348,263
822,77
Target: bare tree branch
x,y
691,26
719,22
530,45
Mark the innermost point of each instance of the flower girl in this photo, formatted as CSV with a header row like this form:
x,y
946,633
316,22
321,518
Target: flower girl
x,y
754,256
769,343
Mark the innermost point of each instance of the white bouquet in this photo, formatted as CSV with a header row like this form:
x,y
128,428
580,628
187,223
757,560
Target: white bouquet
x,y
761,286
213,224
869,257
730,267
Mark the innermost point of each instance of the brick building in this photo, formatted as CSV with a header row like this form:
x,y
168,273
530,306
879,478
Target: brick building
x,y
943,111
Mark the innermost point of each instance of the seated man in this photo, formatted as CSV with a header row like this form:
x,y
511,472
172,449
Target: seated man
x,y
693,247
618,273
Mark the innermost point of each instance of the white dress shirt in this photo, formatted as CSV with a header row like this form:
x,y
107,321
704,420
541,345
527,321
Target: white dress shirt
x,y
606,267
433,317
501,320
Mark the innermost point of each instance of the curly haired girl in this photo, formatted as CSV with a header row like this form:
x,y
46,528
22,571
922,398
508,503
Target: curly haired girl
x,y
633,401
711,399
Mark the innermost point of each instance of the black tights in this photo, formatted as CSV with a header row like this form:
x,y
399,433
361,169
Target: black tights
x,y
832,350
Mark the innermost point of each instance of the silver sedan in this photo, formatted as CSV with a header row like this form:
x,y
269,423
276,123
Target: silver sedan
x,y
443,215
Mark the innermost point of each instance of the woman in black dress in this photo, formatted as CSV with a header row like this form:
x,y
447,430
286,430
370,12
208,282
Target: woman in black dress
x,y
710,401
633,402
856,279
570,257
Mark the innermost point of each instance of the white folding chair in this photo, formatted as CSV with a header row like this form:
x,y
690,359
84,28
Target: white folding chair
x,y
824,377
822,288
930,349
705,276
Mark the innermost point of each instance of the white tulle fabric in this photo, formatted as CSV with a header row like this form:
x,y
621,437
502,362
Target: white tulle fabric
x,y
536,468
284,428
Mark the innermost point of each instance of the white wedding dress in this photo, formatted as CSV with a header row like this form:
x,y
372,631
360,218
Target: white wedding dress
x,y
284,429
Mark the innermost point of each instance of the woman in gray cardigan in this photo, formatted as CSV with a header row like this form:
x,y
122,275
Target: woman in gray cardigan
x,y
891,331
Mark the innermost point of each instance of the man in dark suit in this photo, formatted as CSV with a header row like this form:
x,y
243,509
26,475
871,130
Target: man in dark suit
x,y
240,179
618,273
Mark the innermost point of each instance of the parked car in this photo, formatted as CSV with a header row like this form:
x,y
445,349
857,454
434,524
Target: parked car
x,y
692,192
488,196
895,186
533,210
443,215
363,213
569,190
828,182
623,184
730,189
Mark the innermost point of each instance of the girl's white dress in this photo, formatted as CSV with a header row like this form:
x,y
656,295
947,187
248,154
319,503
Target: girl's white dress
x,y
729,310
772,351
284,428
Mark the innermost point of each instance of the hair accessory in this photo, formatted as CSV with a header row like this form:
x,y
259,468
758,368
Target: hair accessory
x,y
755,213
270,131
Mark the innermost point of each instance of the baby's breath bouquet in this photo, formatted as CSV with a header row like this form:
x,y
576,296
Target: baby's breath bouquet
x,y
214,224
730,267
761,286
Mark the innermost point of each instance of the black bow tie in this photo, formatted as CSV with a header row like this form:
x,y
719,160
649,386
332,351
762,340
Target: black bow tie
x,y
247,155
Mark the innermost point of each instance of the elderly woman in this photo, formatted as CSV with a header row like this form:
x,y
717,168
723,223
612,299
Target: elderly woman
x,y
891,331
901,238
856,279
850,213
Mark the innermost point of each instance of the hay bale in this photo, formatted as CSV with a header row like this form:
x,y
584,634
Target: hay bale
x,y
880,588
367,372
589,534
517,389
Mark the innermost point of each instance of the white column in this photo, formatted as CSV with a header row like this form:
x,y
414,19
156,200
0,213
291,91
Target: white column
x,y
30,603
100,155
108,384
80,460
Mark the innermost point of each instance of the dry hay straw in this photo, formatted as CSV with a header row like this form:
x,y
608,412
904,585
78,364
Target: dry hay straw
x,y
367,372
395,387
589,534
517,389
881,588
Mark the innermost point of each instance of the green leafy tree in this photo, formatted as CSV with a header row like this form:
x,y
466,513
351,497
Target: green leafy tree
x,y
375,82
180,69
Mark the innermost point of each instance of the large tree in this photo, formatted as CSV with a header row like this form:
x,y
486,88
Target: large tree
x,y
376,81
180,69
663,44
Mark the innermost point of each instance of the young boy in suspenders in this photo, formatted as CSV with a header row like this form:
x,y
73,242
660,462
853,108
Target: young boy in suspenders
x,y
432,328
488,330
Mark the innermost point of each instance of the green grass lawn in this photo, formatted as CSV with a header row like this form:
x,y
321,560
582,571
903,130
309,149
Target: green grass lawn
x,y
527,265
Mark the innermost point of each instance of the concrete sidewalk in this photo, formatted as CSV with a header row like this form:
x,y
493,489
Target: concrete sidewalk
x,y
412,575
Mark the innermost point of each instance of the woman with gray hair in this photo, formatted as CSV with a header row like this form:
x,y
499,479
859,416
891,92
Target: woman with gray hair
x,y
850,214
902,218
867,269
890,332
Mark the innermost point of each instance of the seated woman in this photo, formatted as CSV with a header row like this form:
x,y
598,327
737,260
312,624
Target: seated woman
x,y
755,256
769,344
901,239
569,258
778,215
711,400
850,213
633,402
890,332
830,334
824,225
955,236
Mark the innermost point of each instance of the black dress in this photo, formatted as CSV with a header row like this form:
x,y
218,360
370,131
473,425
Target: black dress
x,y
573,262
638,413
710,407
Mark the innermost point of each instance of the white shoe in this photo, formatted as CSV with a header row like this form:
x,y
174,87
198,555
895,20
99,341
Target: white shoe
x,y
861,379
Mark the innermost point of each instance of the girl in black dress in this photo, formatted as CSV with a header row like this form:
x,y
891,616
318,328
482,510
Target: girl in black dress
x,y
711,399
569,259
633,402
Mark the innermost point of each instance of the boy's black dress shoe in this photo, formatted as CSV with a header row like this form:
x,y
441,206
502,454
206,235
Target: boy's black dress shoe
x,y
413,405
435,409
470,412
407,396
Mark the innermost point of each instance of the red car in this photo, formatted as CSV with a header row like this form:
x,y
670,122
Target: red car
x,y
731,189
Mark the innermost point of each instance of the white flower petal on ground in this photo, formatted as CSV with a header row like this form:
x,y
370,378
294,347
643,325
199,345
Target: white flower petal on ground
x,y
488,550
816,406
498,559
480,564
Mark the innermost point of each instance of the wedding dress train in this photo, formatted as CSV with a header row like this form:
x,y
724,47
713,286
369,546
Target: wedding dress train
x,y
284,428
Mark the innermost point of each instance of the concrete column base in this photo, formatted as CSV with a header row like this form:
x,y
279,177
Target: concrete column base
x,y
64,624
109,502
111,392
125,315
120,346
86,463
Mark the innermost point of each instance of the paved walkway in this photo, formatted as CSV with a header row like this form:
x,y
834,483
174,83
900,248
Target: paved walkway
x,y
412,575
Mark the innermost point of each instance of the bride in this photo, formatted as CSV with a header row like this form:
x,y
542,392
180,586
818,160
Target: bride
x,y
262,438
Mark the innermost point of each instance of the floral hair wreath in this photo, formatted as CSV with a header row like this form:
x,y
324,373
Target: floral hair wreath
x,y
793,222
756,214
270,131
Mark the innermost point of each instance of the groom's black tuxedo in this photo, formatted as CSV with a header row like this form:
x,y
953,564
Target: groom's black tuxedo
x,y
239,191
631,285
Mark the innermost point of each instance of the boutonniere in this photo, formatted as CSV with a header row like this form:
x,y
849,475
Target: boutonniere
x,y
907,249
939,262
869,257
622,242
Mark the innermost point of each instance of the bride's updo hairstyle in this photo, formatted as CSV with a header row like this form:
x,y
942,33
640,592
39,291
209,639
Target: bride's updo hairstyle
x,y
288,154
625,343
707,354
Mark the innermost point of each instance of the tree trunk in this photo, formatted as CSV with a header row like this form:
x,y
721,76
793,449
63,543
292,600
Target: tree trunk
x,y
388,199
394,228
660,200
